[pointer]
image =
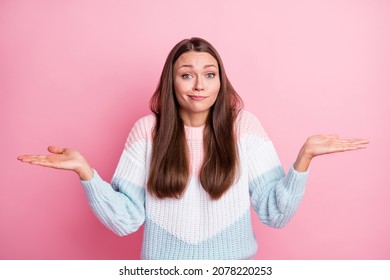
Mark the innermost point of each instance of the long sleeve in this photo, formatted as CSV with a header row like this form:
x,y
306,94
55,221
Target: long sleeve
x,y
195,226
121,205
275,196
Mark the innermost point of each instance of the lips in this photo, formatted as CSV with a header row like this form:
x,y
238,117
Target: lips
x,y
197,97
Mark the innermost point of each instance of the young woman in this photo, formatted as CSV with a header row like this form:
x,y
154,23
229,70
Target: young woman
x,y
190,170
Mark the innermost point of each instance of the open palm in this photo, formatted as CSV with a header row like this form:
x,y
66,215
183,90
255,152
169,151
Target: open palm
x,y
325,144
60,158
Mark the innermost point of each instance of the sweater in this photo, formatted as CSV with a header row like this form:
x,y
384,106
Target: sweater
x,y
195,226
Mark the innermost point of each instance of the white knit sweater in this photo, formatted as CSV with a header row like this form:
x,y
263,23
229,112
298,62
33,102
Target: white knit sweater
x,y
194,226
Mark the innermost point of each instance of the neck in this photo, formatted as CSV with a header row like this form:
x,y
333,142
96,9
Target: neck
x,y
194,119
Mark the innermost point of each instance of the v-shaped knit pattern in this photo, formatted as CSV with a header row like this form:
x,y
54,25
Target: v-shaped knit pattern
x,y
194,226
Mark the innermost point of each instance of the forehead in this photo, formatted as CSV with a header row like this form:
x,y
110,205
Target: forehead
x,y
196,59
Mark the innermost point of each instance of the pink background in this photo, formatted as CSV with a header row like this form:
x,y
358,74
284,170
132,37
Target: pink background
x,y
80,73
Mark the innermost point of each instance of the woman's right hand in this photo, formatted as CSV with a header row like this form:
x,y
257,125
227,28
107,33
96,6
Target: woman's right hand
x,y
62,158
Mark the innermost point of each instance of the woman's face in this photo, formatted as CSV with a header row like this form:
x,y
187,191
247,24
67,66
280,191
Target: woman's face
x,y
196,82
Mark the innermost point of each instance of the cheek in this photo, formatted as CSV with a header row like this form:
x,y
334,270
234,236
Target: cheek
x,y
215,89
180,88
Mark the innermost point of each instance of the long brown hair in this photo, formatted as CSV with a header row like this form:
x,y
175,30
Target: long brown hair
x,y
169,168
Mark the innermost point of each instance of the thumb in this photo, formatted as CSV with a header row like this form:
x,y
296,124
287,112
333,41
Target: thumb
x,y
55,150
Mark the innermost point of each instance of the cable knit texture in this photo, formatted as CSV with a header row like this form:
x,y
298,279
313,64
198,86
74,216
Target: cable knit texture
x,y
194,226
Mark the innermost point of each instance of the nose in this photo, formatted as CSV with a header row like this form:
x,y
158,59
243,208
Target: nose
x,y
198,86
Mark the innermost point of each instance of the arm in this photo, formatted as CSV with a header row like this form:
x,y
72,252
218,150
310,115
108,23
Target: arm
x,y
119,205
275,195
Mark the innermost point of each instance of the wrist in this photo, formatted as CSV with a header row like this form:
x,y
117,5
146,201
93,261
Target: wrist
x,y
85,172
303,160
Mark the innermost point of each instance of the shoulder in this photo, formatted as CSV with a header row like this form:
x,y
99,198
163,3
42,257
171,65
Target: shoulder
x,y
145,123
142,129
248,124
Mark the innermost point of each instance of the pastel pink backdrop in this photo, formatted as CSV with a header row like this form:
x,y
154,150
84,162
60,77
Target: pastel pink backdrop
x,y
80,73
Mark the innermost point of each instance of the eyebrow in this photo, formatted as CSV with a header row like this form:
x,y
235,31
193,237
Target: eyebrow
x,y
192,66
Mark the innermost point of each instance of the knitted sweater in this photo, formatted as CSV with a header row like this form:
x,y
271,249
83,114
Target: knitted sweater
x,y
194,226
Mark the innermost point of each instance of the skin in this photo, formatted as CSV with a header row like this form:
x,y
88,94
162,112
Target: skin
x,y
196,84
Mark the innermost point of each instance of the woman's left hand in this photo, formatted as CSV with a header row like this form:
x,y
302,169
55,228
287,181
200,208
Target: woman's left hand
x,y
325,144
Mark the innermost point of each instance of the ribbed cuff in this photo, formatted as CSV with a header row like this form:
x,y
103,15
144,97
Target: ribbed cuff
x,y
94,187
295,181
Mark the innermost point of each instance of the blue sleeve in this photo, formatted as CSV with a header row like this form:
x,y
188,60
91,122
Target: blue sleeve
x,y
121,205
275,195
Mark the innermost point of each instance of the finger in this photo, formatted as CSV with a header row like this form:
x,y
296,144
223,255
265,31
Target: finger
x,y
358,143
347,141
55,150
24,157
355,140
361,141
342,147
35,159
29,158
44,163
